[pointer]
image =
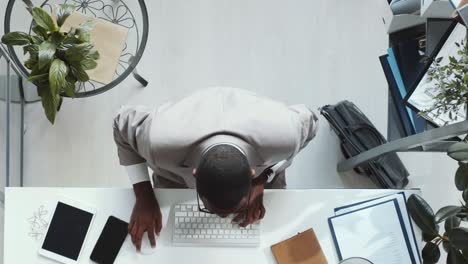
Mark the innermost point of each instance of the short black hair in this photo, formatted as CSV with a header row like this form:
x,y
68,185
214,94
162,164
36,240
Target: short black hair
x,y
224,176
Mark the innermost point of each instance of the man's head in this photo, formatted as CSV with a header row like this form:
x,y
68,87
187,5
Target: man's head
x,y
223,179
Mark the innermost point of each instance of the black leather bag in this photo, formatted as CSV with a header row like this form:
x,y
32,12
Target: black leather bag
x,y
357,134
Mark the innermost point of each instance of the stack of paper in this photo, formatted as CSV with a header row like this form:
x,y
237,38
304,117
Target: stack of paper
x,y
379,230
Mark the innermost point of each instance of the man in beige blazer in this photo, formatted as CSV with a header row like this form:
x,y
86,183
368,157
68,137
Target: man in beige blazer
x,y
227,143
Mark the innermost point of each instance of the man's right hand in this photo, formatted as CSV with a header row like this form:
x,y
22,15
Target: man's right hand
x,y
146,215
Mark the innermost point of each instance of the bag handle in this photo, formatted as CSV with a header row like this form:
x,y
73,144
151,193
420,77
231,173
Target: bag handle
x,y
371,129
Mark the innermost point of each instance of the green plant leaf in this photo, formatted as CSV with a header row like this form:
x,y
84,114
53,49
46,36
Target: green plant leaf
x,y
465,195
461,177
69,89
94,54
46,53
57,38
79,74
422,214
64,12
57,73
37,40
446,212
454,256
428,237
32,49
78,52
431,253
451,223
88,64
16,39
43,19
40,31
458,151
42,76
446,245
49,103
458,236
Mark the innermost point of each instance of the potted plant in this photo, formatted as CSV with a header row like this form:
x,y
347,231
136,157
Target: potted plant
x,y
454,237
57,60
451,81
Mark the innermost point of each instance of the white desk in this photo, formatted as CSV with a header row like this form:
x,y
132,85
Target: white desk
x,y
288,212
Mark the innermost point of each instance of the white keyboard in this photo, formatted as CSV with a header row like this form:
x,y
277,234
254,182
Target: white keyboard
x,y
194,228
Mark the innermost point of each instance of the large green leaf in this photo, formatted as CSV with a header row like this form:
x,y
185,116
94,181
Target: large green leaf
x,y
64,12
431,253
16,38
446,212
49,103
32,49
43,19
88,64
428,237
454,256
46,53
69,88
459,151
451,223
461,177
79,74
57,38
459,237
40,31
43,76
422,214
78,52
57,73
465,195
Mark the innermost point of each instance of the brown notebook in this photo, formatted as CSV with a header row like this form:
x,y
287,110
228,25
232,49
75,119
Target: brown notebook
x,y
302,248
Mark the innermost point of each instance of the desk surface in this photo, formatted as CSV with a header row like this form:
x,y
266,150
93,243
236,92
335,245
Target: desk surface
x,y
288,212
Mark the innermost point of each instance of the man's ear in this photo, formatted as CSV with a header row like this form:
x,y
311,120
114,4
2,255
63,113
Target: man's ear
x,y
194,172
253,172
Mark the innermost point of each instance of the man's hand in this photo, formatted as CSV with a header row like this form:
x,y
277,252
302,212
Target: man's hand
x,y
146,215
255,210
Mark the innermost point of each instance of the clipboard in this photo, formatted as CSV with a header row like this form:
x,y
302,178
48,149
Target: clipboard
x,y
391,204
412,234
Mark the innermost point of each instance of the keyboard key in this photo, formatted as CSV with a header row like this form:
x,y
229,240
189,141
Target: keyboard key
x,y
212,226
181,214
177,207
213,236
218,226
178,231
200,226
197,231
202,214
203,232
210,220
182,225
206,226
215,231
190,214
244,232
187,219
185,231
209,231
193,220
205,220
221,231
199,220
183,208
195,236
191,231
219,236
195,208
196,214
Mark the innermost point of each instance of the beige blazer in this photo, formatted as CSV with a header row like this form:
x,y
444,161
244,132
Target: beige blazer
x,y
171,137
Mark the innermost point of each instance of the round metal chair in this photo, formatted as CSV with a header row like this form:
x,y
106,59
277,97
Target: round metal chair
x,y
128,13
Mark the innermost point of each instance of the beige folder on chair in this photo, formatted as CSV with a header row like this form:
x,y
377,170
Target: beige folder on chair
x,y
108,38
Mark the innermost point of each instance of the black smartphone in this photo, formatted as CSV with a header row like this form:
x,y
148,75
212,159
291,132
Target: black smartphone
x,y
110,241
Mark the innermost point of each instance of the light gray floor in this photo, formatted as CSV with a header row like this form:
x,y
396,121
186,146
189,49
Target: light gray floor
x,y
312,52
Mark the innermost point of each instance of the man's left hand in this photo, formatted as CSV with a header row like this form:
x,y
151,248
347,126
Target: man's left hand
x,y
255,211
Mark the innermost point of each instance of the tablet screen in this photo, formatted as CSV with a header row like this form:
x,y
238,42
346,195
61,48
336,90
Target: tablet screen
x,y
67,231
